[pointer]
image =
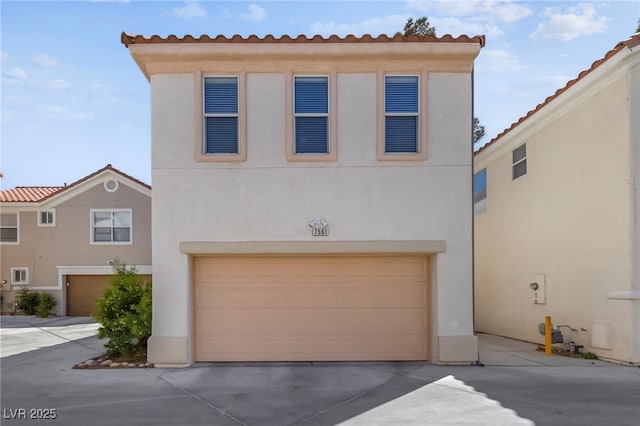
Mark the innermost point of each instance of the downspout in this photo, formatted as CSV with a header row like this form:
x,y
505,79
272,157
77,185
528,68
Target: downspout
x,y
633,76
473,231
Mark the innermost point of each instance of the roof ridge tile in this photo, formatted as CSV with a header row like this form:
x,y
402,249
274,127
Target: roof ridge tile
x,y
127,39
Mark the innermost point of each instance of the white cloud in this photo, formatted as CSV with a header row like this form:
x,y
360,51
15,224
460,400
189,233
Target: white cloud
x,y
450,8
17,77
577,21
58,84
490,11
498,61
389,24
15,73
553,82
45,61
255,13
191,9
4,55
511,12
471,17
457,26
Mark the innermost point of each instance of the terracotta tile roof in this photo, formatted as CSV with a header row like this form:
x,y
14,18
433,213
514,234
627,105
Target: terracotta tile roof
x,y
35,194
128,39
28,194
629,43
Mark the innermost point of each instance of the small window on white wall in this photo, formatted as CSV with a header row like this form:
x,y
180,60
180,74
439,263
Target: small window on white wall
x,y
19,276
47,218
519,161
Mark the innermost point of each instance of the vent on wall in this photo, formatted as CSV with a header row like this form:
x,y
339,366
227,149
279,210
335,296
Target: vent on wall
x,y
111,185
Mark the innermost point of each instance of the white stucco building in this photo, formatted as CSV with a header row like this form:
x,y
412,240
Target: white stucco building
x,y
557,205
312,198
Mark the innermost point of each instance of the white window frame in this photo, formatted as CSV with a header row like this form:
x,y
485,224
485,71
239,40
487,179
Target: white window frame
x,y
402,114
17,241
112,211
422,116
326,115
522,160
24,281
53,217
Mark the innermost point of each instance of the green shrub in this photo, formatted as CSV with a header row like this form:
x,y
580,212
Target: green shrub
x,y
589,355
28,301
124,312
46,303
34,303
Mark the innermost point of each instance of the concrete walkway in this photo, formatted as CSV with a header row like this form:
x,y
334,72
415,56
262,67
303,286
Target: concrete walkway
x,y
518,386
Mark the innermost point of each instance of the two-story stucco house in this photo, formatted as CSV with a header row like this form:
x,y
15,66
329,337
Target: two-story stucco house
x,y
60,239
312,197
557,222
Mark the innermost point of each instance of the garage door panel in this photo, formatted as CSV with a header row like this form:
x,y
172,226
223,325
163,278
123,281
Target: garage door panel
x,y
285,269
310,295
313,348
311,308
300,322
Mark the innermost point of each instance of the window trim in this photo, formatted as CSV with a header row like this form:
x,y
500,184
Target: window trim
x,y
201,130
53,218
26,276
91,227
17,241
422,115
332,145
515,163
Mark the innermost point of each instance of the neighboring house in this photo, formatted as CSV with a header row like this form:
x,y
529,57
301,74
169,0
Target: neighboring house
x,y
312,197
557,204
60,239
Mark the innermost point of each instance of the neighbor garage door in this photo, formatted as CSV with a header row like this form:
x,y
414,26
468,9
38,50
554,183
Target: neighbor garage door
x,y
84,290
311,308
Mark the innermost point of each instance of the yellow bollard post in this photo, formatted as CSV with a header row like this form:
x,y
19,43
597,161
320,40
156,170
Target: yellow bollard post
x,y
547,335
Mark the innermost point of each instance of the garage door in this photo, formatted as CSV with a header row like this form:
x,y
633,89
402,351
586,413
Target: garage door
x,y
311,308
84,290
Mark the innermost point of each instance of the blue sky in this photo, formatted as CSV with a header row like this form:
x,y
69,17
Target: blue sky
x,y
73,100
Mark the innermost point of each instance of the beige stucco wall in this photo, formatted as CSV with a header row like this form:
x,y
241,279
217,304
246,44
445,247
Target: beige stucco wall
x,y
570,218
267,199
43,249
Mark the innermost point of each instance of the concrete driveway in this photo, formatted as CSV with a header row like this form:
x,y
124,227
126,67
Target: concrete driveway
x,y
518,386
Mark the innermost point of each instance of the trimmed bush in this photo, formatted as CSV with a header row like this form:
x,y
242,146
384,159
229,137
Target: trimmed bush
x,y
34,303
46,303
124,312
28,301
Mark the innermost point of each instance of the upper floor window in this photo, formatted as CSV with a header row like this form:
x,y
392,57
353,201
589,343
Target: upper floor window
x,y
401,114
480,186
47,218
19,276
9,227
111,226
519,161
311,115
221,115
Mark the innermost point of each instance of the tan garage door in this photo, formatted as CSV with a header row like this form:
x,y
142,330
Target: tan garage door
x,y
84,290
311,308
